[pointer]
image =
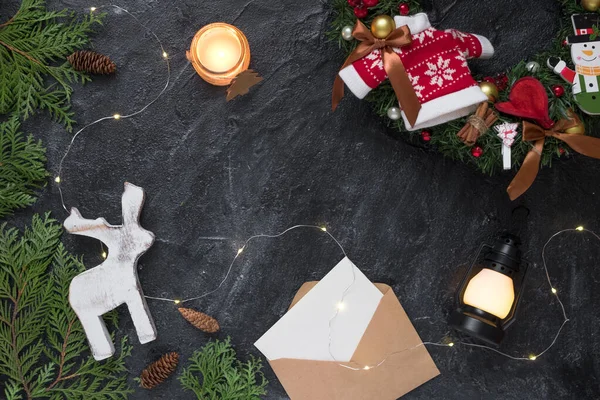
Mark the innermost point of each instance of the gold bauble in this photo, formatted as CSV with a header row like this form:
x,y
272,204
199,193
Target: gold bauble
x,y
590,5
577,129
382,26
490,90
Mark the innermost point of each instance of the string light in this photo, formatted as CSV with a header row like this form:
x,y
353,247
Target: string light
x,y
115,116
531,357
324,229
240,250
104,255
340,306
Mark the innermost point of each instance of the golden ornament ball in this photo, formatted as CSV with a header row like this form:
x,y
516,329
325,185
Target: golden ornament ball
x,y
490,90
382,26
577,129
590,5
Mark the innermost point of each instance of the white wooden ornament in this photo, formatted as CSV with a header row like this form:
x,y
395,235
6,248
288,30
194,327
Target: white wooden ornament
x,y
114,282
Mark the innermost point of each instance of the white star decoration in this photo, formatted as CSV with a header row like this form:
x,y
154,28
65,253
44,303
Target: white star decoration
x,y
440,71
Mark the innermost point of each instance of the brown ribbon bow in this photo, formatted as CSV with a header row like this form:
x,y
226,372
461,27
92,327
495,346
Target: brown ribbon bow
x,y
392,65
586,145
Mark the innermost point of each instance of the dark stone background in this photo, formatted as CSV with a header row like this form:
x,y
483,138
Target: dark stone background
x,y
216,173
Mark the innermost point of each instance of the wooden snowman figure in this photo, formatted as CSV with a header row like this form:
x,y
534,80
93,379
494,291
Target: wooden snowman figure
x,y
585,53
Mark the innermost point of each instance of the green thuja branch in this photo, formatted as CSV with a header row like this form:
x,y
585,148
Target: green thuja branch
x,y
443,137
22,167
216,374
34,44
43,349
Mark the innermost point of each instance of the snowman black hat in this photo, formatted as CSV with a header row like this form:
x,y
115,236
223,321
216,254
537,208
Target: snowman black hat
x,y
583,25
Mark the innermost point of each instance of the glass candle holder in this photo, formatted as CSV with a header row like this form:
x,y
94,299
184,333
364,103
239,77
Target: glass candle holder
x,y
219,52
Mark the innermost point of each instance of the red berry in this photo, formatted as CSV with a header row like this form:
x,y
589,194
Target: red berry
x,y
561,151
565,43
426,136
354,3
370,3
404,9
501,82
477,151
360,12
558,90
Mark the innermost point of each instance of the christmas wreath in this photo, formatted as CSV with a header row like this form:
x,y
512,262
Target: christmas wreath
x,y
453,117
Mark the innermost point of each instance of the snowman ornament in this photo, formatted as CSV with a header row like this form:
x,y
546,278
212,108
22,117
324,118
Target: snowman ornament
x,y
585,53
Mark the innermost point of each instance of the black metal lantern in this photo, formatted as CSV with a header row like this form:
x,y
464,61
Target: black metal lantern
x,y
490,292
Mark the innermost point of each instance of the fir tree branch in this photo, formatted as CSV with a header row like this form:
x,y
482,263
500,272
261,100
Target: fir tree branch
x,y
31,43
22,168
43,348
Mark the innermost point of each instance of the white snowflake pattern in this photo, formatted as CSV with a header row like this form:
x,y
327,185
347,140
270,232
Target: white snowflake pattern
x,y
463,60
457,34
440,71
421,35
375,58
414,80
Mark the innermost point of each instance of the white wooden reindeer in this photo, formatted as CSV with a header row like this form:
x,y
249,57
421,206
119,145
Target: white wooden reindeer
x,y
114,282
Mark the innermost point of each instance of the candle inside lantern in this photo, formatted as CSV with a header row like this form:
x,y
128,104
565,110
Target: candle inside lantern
x,y
219,50
219,53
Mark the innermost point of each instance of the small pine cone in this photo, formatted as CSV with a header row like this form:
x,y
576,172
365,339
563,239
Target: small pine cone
x,y
200,320
92,62
158,371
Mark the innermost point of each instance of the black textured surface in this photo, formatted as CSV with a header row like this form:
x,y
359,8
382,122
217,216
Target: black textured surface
x,y
216,173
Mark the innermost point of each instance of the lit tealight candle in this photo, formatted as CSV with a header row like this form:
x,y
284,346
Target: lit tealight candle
x,y
219,53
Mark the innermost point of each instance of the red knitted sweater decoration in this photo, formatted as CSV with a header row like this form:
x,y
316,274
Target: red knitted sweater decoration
x,y
436,63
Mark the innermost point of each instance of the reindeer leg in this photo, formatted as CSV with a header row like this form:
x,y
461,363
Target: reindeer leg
x,y
144,325
98,337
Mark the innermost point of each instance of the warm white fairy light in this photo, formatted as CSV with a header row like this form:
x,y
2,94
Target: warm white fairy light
x,y
340,305
239,251
104,255
115,116
324,229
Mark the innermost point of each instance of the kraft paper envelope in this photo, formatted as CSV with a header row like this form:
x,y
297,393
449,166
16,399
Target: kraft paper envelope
x,y
389,331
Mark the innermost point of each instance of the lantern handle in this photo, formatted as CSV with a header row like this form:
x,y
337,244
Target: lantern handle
x,y
459,294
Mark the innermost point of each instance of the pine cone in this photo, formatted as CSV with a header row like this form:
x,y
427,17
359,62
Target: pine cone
x,y
158,371
200,320
92,62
